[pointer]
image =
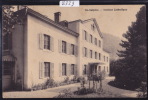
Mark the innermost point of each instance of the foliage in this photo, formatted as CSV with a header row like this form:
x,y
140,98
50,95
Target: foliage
x,y
142,91
66,93
132,65
50,82
9,19
66,80
113,66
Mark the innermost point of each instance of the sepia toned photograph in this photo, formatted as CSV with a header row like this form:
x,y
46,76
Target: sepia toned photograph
x,y
90,51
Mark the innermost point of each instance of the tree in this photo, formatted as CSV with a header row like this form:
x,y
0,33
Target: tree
x,y
9,19
133,58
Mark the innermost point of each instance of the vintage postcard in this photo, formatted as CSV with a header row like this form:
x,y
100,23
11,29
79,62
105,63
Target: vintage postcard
x,y
90,51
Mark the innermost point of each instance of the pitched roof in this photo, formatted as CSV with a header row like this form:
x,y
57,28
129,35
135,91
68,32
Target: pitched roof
x,y
94,20
29,11
85,21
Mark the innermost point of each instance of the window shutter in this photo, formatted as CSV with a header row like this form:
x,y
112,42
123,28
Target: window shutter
x,y
41,70
70,49
52,70
87,69
83,35
51,43
60,69
60,46
67,69
76,50
41,41
75,70
67,48
88,53
88,37
83,51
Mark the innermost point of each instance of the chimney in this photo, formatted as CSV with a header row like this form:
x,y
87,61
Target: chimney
x,y
57,17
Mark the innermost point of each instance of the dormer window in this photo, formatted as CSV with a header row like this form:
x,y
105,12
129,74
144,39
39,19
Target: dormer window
x,y
93,27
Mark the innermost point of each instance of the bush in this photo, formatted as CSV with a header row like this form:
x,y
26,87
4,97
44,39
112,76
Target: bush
x,y
66,80
50,83
142,91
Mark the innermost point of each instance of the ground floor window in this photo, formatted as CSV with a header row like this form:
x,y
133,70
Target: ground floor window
x,y
72,69
47,69
84,70
99,68
63,69
7,66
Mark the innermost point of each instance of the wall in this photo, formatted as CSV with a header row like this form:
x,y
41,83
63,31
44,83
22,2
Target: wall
x,y
36,55
83,43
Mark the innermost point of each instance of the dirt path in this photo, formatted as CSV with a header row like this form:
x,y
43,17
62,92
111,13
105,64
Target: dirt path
x,y
52,92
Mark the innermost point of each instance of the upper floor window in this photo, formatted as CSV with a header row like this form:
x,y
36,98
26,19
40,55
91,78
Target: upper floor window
x,y
91,39
72,49
95,41
95,55
99,56
99,43
107,59
91,55
63,46
46,42
85,33
85,52
104,58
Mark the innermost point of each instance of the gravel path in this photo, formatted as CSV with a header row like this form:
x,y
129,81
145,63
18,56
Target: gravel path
x,y
52,92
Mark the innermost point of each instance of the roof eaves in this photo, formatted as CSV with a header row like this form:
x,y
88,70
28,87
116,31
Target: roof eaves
x,y
49,21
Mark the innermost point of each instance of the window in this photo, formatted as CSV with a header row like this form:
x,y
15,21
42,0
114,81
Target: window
x,y
95,41
99,68
104,58
72,49
90,53
85,33
63,46
107,59
93,27
84,70
63,69
99,43
95,55
85,52
7,66
99,56
104,68
7,42
72,69
91,39
46,42
47,69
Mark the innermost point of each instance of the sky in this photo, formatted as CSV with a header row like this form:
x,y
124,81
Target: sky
x,y
108,18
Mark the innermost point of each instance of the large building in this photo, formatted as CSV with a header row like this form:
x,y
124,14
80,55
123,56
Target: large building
x,y
40,48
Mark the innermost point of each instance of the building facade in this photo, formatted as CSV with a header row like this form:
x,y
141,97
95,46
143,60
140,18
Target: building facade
x,y
40,48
